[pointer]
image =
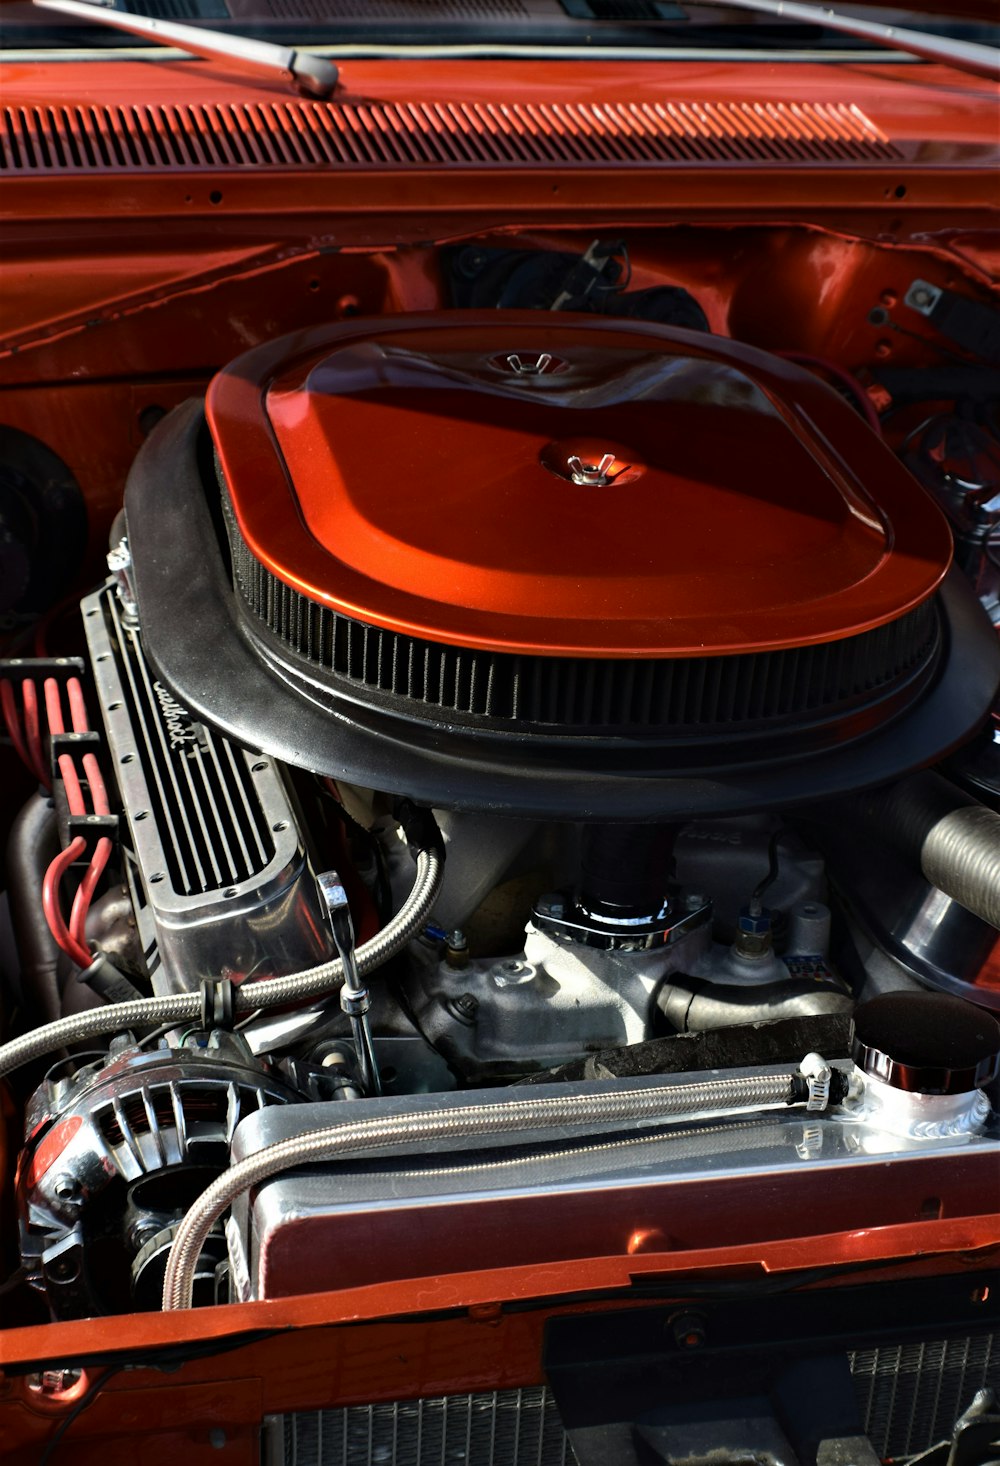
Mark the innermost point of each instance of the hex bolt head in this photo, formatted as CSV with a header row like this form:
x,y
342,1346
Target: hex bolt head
x,y
757,924
464,1007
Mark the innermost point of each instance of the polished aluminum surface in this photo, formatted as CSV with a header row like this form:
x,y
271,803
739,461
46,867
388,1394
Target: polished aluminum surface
x,y
426,1208
219,876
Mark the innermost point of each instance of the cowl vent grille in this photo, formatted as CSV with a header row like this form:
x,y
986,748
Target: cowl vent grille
x,y
194,138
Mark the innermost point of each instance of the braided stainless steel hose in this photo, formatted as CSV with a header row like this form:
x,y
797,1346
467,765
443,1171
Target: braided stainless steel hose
x,y
354,1137
271,992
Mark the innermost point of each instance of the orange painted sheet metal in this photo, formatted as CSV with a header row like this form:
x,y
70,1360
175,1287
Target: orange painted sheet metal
x,y
227,1368
405,473
433,137
935,1245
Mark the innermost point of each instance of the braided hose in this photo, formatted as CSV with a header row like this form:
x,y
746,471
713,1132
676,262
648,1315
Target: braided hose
x,y
357,1136
270,992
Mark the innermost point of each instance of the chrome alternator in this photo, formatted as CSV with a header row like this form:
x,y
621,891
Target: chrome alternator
x,y
117,1150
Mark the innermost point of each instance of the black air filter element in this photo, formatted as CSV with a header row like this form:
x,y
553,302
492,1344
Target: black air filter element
x,y
701,696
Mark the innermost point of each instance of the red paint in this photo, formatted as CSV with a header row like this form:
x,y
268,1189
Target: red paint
x,y
312,1360
129,290
51,1148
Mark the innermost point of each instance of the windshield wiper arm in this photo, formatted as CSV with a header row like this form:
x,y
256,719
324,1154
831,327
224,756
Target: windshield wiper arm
x,y
969,56
310,75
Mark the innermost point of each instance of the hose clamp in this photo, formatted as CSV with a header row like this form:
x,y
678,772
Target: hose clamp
x,y
817,1074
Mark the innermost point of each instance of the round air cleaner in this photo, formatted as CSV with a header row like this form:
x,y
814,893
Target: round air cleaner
x,y
555,565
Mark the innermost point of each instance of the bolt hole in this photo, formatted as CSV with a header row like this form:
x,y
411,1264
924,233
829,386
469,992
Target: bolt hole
x,y
128,758
389,1075
313,284
114,707
91,612
900,191
215,197
258,768
230,892
156,877
143,814
281,825
103,657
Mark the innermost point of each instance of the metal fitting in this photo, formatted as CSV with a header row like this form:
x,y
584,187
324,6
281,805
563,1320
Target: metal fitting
x,y
120,566
817,1074
456,949
354,998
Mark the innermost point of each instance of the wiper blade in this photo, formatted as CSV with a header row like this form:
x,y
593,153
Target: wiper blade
x,y
310,75
969,56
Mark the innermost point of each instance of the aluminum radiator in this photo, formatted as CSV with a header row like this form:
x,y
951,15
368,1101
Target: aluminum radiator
x,y
502,1428
910,1396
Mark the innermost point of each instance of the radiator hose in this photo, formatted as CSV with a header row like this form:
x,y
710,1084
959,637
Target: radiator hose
x,y
954,840
596,1107
271,992
34,841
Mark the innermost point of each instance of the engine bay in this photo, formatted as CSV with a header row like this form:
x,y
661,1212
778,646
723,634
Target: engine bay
x,y
558,702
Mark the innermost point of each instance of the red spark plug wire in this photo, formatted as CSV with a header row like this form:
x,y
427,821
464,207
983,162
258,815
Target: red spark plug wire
x,y
73,940
73,948
33,732
8,702
28,744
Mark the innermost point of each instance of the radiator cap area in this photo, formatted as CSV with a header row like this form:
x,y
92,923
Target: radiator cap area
x,y
926,1043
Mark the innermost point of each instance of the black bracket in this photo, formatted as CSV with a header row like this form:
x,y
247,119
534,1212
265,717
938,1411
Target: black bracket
x,y
37,669
218,1003
92,827
19,670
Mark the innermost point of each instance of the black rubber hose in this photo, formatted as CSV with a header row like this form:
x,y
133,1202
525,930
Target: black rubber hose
x,y
954,840
626,868
31,846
